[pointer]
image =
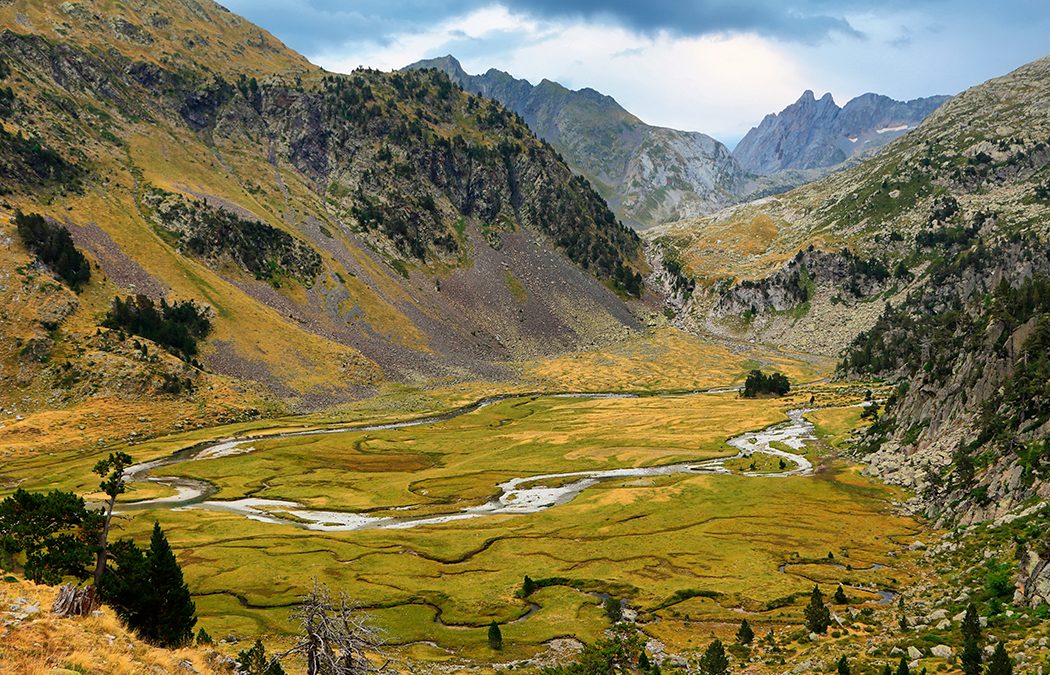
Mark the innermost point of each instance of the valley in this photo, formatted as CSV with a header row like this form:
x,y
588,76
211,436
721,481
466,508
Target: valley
x,y
417,371
311,494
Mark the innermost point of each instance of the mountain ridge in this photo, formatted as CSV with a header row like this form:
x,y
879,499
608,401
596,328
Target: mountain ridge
x,y
648,174
814,133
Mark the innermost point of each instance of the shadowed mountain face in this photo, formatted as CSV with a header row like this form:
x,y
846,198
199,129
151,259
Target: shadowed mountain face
x,y
649,175
816,133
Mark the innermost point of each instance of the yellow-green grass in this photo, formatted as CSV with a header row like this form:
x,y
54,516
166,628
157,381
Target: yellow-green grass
x,y
654,541
671,360
761,462
835,425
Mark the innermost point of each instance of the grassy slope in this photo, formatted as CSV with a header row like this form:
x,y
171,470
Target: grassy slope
x,y
41,643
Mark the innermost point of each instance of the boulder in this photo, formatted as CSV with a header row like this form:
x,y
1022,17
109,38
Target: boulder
x,y
914,653
942,651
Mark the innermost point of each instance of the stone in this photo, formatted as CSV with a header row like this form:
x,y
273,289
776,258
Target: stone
x,y
937,615
944,625
942,651
896,651
916,545
914,653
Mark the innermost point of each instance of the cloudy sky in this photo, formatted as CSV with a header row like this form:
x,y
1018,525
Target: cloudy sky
x,y
716,66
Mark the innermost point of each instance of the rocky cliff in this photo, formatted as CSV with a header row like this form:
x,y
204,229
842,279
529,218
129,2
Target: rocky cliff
x,y
648,174
816,133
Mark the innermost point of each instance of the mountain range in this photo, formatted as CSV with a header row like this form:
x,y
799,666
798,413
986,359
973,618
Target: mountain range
x,y
648,174
652,175
817,134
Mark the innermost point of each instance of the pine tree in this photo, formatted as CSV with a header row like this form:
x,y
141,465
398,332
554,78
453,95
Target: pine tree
x,y
818,617
843,666
1000,662
174,612
254,662
495,636
745,635
902,667
714,660
971,651
643,662
840,596
528,586
886,670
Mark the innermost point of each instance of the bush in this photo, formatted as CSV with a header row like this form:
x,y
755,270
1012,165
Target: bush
x,y
52,244
758,383
176,327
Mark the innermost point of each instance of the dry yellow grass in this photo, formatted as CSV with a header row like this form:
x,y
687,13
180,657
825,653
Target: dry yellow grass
x,y
669,359
43,644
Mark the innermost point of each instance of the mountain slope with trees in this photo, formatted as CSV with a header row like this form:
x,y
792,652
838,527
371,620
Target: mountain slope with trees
x,y
648,174
335,231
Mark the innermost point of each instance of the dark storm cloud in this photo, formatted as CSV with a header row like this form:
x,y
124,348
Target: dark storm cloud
x,y
324,23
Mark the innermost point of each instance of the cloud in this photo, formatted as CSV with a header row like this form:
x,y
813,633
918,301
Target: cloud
x,y
679,81
716,66
325,23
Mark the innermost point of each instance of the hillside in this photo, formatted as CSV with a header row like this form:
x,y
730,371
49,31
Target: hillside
x,y
36,641
649,175
818,134
928,264
336,231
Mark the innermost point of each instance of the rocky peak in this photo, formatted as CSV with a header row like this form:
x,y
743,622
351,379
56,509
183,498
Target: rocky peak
x,y
649,175
814,133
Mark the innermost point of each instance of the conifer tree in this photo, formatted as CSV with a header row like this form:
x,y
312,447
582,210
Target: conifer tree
x,y
902,667
643,662
174,609
843,666
840,596
745,635
253,661
886,670
528,586
971,652
714,660
818,617
1000,663
495,636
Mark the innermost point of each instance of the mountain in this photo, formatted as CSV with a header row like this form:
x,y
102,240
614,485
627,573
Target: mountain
x,y
334,231
649,175
816,133
926,267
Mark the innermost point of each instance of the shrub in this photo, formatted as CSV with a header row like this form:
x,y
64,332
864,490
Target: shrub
x,y
759,383
176,327
52,244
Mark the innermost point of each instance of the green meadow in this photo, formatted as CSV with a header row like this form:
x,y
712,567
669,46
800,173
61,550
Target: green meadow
x,y
691,554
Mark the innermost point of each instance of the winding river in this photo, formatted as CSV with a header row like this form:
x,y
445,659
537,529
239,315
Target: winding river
x,y
527,494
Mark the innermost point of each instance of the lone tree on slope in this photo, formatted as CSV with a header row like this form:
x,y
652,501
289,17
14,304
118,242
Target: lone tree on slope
x,y
818,617
714,660
745,635
495,636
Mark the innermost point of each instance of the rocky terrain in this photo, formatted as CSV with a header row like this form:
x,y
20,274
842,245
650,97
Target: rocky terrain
x,y
816,133
649,175
933,277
